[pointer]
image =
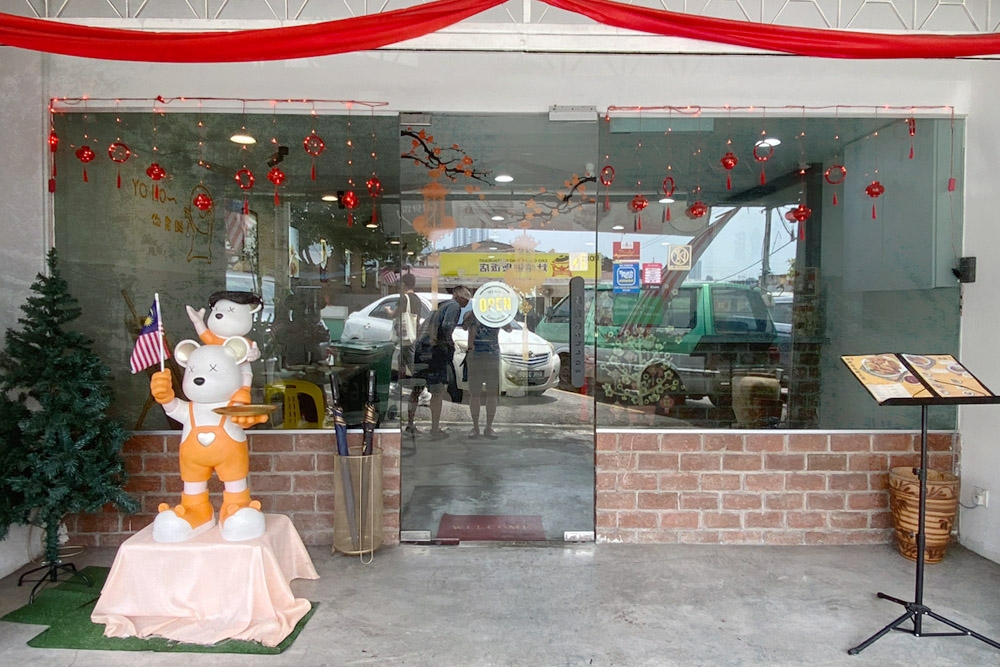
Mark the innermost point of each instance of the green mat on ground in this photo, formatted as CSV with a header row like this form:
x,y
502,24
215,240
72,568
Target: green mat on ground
x,y
66,609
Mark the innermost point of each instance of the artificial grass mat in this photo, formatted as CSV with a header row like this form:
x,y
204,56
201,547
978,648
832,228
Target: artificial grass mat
x,y
66,609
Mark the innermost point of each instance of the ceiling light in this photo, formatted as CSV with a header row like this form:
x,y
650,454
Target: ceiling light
x,y
497,218
667,200
329,197
617,228
243,138
769,141
371,224
394,241
503,178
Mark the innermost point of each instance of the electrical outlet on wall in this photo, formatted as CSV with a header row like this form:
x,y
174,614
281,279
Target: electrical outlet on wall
x,y
980,496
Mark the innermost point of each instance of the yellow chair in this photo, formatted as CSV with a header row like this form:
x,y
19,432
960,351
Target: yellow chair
x,y
293,392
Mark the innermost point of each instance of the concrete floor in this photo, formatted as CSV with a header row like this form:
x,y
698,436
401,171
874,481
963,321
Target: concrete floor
x,y
601,605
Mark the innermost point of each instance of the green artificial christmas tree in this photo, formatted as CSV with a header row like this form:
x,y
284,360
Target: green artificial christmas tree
x,y
61,453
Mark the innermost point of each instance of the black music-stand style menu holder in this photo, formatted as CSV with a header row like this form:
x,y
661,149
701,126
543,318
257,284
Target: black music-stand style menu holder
x,y
924,380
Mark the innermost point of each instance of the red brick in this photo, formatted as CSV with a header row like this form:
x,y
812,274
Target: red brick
x,y
616,461
876,500
722,442
699,537
720,482
679,481
606,481
98,523
741,462
942,442
634,481
312,482
645,442
294,462
848,520
825,501
808,442
606,520
699,501
721,520
835,462
657,461
606,442
314,442
681,442
272,442
309,521
293,502
805,519
878,481
260,462
741,501
805,482
867,462
904,460
133,464
659,500
765,443
943,461
784,462
324,462
687,520
850,442
784,537
144,484
145,444
742,537
700,462
767,481
892,442
638,520
161,463
880,520
763,519
784,501
617,500
848,482
327,502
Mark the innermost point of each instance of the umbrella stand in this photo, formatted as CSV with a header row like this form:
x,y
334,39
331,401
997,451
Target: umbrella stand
x,y
340,427
368,424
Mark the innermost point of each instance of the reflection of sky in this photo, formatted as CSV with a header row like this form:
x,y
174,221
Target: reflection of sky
x,y
734,254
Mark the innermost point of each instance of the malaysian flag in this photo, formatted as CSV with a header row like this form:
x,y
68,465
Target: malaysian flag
x,y
236,226
149,348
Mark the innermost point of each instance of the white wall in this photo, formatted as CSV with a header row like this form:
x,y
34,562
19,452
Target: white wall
x,y
431,81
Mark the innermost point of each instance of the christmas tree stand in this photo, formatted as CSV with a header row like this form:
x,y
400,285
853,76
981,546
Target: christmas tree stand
x,y
51,571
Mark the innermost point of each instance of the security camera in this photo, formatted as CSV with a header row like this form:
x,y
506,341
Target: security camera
x,y
277,157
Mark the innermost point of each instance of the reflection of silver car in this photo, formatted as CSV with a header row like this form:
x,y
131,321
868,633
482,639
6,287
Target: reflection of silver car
x,y
528,363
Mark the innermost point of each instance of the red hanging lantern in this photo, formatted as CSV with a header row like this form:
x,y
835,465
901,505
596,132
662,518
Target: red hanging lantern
x,y
350,202
245,179
277,177
874,190
84,154
53,145
314,146
800,214
374,191
835,175
636,205
156,173
696,210
668,186
202,201
607,178
762,152
729,162
119,154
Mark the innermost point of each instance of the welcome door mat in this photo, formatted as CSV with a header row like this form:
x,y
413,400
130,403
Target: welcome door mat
x,y
66,609
491,528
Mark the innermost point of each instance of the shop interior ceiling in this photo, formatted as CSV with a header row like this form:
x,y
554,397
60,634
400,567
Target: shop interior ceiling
x,y
543,156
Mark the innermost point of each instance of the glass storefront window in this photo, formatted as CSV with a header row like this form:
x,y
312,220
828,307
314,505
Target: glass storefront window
x,y
686,295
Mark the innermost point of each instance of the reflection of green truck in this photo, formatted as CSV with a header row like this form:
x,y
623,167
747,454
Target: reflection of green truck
x,y
651,348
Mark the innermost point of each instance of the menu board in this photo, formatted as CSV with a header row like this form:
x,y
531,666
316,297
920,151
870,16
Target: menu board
x,y
917,378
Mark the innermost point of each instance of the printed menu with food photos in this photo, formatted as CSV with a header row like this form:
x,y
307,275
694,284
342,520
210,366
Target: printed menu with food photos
x,y
917,378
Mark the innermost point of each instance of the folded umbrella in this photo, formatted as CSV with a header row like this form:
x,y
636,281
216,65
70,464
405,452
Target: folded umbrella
x,y
340,428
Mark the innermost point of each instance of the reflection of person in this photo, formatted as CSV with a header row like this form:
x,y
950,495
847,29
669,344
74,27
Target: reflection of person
x,y
407,313
440,367
483,363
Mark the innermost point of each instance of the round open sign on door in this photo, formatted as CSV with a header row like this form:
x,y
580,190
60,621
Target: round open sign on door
x,y
495,304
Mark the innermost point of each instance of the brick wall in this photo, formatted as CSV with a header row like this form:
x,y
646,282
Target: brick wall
x,y
290,473
753,488
652,486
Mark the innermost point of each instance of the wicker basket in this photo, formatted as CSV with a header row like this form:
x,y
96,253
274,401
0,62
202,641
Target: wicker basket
x,y
941,508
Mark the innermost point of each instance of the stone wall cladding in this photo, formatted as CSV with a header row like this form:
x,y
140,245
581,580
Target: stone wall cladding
x,y
754,488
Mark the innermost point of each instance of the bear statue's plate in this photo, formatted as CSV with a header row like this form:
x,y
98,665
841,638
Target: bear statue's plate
x,y
246,410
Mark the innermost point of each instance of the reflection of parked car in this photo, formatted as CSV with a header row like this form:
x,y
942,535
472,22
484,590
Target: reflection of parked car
x,y
647,348
531,368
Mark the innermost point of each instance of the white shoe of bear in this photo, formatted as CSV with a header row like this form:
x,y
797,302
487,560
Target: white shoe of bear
x,y
168,527
246,524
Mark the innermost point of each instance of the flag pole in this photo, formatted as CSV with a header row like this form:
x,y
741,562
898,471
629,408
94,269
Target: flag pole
x,y
159,328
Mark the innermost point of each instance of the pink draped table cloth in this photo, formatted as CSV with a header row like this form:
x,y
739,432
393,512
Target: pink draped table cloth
x,y
207,590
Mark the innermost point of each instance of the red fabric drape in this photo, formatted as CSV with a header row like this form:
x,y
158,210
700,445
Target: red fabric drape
x,y
377,30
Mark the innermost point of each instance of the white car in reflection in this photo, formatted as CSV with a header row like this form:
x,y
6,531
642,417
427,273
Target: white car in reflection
x,y
528,362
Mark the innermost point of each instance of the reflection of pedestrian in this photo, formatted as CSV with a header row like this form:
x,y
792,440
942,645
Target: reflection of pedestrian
x,y
483,363
406,313
438,359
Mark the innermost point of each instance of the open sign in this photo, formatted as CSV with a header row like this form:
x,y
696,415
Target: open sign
x,y
495,304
